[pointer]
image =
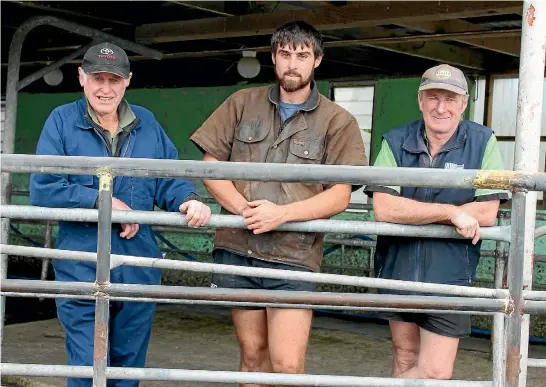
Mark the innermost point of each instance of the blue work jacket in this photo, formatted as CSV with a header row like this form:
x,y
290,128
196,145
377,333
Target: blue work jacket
x,y
69,131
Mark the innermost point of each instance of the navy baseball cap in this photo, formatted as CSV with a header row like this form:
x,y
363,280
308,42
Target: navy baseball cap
x,y
108,58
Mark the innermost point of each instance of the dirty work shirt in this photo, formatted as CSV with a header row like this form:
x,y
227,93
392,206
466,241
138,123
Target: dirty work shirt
x,y
287,110
248,127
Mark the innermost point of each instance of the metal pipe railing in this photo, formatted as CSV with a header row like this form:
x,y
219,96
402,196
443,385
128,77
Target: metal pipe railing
x,y
439,303
228,376
232,221
224,170
203,267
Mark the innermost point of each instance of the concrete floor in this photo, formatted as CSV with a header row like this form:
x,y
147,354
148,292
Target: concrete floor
x,y
203,338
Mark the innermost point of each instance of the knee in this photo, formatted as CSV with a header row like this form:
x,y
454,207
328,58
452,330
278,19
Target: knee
x,y
253,354
288,366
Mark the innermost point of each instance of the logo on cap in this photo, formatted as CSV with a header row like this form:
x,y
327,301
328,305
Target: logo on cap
x,y
443,73
106,51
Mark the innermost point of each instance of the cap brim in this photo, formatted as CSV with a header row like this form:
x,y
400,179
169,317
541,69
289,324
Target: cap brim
x,y
443,86
105,69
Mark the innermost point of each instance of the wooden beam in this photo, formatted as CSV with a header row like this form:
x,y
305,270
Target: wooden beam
x,y
358,14
505,45
424,48
440,52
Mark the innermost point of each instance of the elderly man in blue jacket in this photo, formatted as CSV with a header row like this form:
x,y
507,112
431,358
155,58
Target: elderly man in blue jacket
x,y
103,124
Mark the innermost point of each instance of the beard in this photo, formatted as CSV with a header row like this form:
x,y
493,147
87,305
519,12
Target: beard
x,y
294,83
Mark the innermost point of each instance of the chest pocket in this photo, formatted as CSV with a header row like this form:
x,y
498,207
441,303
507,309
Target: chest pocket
x,y
306,150
250,145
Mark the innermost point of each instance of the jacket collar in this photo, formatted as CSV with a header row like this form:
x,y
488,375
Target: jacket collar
x,y
309,105
416,142
84,120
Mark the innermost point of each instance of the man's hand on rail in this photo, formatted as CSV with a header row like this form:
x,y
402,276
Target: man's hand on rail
x,y
197,213
263,216
129,229
466,225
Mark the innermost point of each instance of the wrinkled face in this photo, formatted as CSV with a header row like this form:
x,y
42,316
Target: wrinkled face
x,y
442,109
104,91
294,67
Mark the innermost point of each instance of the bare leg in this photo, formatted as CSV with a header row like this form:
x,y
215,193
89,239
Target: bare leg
x,y
251,330
405,346
288,336
436,358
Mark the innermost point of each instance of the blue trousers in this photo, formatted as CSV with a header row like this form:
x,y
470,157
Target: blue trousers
x,y
129,335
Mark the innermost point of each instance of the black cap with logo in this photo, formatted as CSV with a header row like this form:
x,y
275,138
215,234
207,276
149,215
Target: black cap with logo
x,y
108,58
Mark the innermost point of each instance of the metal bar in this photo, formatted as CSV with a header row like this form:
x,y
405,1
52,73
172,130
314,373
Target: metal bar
x,y
533,307
203,267
224,170
102,304
526,160
253,295
534,295
232,304
47,245
540,231
232,221
228,376
515,285
53,66
540,363
498,335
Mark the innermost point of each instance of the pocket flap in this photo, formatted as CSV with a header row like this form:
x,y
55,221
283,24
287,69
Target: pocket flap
x,y
251,132
307,148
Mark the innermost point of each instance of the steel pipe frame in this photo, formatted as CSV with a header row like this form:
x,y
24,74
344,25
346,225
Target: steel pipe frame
x,y
229,376
538,363
12,88
203,267
102,302
232,221
498,339
231,304
152,292
527,152
224,170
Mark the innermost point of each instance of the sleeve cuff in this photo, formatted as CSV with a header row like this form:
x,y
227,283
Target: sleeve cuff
x,y
370,189
192,196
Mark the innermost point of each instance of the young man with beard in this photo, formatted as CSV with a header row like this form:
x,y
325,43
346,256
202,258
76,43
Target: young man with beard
x,y
291,123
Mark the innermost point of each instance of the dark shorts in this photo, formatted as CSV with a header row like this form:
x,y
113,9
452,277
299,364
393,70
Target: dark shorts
x,y
450,325
225,257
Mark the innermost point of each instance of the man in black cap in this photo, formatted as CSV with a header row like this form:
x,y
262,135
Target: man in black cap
x,y
103,124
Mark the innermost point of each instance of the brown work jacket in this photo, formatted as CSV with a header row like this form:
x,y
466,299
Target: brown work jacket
x,y
247,128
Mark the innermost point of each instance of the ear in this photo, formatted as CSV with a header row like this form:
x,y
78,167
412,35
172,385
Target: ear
x,y
465,102
81,76
318,60
420,100
127,81
273,58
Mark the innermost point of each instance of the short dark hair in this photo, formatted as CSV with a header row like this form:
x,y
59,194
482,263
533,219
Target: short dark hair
x,y
297,33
